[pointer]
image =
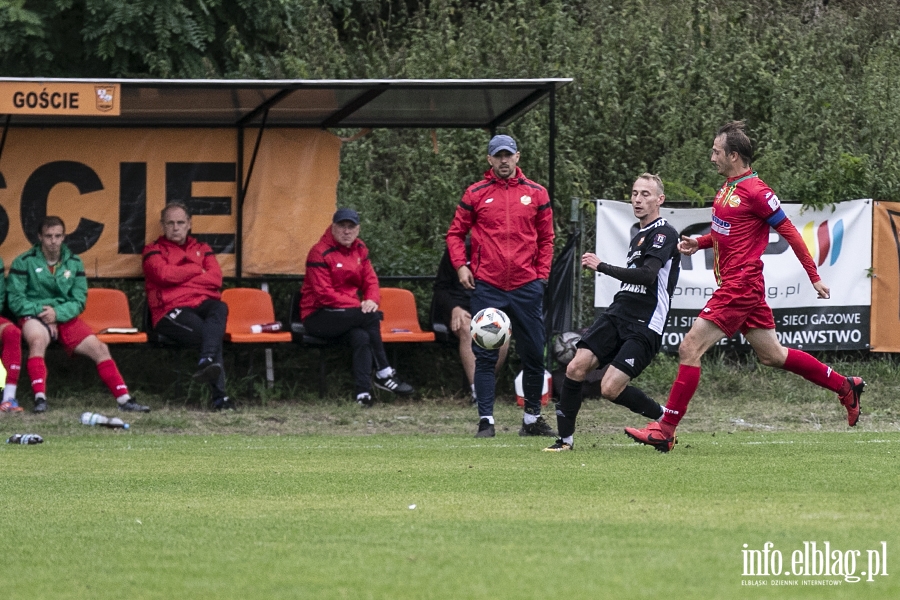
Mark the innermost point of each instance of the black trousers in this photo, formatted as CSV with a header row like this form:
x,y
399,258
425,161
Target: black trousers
x,y
361,330
200,327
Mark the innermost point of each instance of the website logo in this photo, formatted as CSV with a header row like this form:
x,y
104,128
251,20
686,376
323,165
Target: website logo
x,y
824,241
813,563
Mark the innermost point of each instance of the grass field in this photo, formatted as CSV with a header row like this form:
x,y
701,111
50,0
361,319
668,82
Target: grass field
x,y
331,501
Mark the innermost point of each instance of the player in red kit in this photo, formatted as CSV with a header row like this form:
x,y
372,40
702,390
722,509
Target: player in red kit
x,y
743,211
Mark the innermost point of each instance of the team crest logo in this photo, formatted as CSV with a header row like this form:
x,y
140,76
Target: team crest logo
x,y
105,96
641,241
526,200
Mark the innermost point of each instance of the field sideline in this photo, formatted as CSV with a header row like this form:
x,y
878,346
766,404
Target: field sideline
x,y
152,513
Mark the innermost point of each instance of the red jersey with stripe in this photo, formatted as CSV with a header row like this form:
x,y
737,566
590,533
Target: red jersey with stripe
x,y
743,211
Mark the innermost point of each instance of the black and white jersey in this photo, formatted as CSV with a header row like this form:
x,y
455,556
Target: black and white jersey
x,y
650,304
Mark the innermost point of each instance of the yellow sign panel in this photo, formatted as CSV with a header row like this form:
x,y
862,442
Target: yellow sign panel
x,y
76,99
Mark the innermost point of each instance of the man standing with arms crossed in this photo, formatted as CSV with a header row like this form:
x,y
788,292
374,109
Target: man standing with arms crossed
x,y
629,333
511,223
743,211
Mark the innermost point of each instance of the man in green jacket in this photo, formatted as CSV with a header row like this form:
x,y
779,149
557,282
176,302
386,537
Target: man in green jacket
x,y
46,291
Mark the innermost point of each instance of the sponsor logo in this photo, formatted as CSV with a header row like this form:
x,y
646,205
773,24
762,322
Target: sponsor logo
x,y
629,362
821,562
526,200
105,96
824,241
489,200
774,202
339,265
720,226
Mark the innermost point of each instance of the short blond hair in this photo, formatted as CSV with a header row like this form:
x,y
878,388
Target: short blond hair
x,y
655,179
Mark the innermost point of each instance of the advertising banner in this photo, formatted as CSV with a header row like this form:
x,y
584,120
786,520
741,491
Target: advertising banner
x,y
886,277
839,240
109,186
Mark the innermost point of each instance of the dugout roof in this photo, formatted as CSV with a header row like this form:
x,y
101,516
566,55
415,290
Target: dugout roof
x,y
420,103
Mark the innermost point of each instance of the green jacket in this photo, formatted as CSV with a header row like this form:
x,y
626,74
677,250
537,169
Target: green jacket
x,y
31,285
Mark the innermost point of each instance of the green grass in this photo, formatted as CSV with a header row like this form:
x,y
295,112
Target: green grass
x,y
149,513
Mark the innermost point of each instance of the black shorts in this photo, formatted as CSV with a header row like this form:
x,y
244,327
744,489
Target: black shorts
x,y
627,345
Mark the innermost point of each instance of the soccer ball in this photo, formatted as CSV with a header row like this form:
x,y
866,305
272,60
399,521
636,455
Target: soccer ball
x,y
490,328
564,347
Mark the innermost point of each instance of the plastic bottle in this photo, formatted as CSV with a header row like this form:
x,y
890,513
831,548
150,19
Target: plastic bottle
x,y
90,418
25,438
266,327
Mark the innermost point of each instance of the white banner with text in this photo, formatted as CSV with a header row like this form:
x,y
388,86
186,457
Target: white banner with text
x,y
839,239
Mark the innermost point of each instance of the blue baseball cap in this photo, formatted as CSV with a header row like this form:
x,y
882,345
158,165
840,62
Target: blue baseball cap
x,y
346,214
499,143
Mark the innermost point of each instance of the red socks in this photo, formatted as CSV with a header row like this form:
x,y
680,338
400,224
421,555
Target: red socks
x,y
110,375
680,395
11,355
809,368
37,370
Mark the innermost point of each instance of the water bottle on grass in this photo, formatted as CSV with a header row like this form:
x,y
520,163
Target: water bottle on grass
x,y
92,419
25,438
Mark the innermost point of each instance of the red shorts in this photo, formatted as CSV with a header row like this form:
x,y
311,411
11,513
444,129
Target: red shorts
x,y
739,306
71,333
4,321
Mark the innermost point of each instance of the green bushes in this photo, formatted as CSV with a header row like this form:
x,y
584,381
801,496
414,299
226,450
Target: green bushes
x,y
653,79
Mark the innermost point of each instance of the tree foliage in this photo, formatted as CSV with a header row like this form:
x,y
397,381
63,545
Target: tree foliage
x,y
653,79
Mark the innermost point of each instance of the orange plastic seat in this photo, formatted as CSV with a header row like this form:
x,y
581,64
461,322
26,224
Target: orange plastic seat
x,y
401,320
248,307
106,308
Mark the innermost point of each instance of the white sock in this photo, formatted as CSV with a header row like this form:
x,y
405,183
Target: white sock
x,y
569,440
385,372
123,398
363,395
9,393
474,395
529,418
490,419
41,396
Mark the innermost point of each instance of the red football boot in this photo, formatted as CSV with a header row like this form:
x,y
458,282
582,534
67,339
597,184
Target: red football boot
x,y
850,400
653,435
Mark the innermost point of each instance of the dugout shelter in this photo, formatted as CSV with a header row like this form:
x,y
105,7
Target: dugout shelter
x,y
252,158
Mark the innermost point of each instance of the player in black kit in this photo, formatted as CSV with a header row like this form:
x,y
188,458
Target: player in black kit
x,y
629,333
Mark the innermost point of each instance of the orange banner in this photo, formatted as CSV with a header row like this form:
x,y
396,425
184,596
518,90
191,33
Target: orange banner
x,y
109,186
60,99
885,335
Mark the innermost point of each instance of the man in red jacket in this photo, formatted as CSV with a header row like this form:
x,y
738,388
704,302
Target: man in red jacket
x,y
183,282
339,300
511,223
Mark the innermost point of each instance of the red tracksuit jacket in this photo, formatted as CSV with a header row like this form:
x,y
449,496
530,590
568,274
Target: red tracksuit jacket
x,y
511,221
336,276
179,275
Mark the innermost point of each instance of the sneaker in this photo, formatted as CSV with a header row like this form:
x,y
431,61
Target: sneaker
x,y
365,400
40,405
394,385
207,371
850,400
538,428
10,406
132,406
652,435
485,429
559,446
223,403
